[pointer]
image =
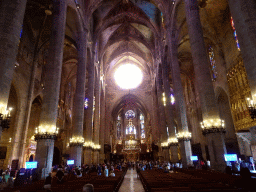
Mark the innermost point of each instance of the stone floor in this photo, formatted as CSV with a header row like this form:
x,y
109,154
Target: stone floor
x,y
131,183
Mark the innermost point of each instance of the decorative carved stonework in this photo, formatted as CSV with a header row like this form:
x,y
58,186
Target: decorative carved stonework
x,y
239,91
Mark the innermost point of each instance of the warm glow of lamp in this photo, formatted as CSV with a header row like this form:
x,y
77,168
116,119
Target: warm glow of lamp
x,y
173,140
128,76
164,98
76,140
42,129
209,123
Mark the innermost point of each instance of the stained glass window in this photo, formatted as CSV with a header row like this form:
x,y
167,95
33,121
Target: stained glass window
x,y
172,99
235,35
130,129
130,114
118,127
164,99
21,31
167,129
93,103
86,103
142,127
213,63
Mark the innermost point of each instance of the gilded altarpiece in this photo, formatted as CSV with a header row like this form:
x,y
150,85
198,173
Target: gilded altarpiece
x,y
239,92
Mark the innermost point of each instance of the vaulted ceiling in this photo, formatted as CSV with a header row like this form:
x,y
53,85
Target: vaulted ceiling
x,y
127,32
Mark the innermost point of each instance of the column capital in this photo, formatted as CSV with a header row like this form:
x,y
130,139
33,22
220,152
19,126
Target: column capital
x,y
184,136
213,130
44,136
213,126
76,144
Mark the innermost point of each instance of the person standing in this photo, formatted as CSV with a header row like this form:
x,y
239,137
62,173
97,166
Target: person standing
x,y
48,182
106,171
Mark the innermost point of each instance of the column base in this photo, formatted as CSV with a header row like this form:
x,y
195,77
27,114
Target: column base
x,y
253,142
76,154
165,154
96,156
88,156
101,157
174,153
253,148
186,153
217,149
44,156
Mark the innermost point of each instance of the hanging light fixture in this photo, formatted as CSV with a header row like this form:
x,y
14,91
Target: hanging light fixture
x,y
252,108
5,117
46,132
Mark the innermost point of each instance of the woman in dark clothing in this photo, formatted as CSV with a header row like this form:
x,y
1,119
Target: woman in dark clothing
x,y
99,170
138,171
60,176
48,182
17,181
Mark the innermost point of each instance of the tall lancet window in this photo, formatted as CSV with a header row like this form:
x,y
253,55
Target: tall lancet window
x,y
118,127
213,63
235,35
142,127
130,128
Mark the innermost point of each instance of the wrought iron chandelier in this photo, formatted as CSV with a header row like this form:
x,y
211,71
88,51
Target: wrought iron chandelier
x,y
5,117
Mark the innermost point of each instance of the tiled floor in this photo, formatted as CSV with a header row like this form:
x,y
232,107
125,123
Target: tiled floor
x,y
131,183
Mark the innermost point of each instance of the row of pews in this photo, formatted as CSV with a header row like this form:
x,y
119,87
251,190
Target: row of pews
x,y
73,184
189,180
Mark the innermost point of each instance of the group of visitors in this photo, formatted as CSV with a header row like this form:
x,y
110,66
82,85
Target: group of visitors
x,y
148,165
108,170
22,176
4,175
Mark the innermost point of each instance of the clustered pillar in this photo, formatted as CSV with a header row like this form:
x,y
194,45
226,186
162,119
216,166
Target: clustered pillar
x,y
47,127
102,124
11,19
183,135
172,140
162,117
96,120
77,140
212,125
89,115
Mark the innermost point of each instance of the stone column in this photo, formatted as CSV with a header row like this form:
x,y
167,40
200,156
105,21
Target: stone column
x,y
11,19
183,132
172,140
154,119
48,118
212,124
162,123
18,141
244,16
96,135
18,149
161,110
77,140
102,123
89,114
253,142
